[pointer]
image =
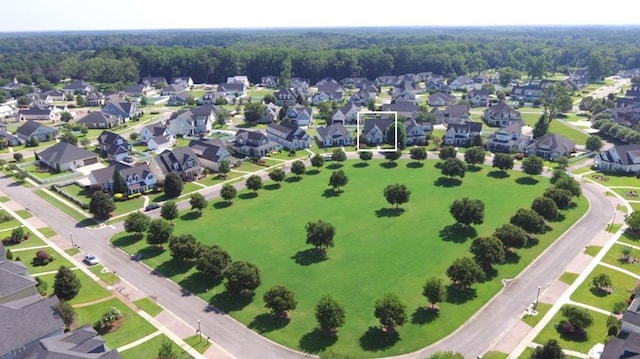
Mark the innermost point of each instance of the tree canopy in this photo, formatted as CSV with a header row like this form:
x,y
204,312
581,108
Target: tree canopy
x,y
397,194
330,314
320,234
467,211
173,185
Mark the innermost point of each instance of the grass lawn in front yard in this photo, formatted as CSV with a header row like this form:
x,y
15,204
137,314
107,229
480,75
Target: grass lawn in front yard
x,y
615,179
27,256
33,241
47,232
90,290
132,328
592,250
149,349
495,355
198,342
623,286
24,214
533,320
614,257
568,277
373,238
62,206
107,276
596,333
149,306
10,223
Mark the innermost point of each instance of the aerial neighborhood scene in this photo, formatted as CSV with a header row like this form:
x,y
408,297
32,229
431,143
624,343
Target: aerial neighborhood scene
x,y
333,189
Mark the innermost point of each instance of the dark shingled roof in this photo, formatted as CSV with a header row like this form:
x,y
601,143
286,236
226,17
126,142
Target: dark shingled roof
x,y
63,152
14,277
83,342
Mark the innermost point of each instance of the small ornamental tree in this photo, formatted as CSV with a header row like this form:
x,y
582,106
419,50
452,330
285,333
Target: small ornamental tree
x,y
320,234
529,220
330,314
279,299
338,180
338,155
550,350
166,350
474,156
242,278
184,248
418,154
593,143
602,283
396,194
298,168
577,319
169,211
66,313
119,184
391,312
224,167
277,175
511,236
434,291
447,152
463,272
487,251
317,161
228,192
365,156
173,185
18,156
66,285
393,155
101,205
503,161
159,232
137,222
532,165
453,167
198,202
545,207
467,211
213,261
254,183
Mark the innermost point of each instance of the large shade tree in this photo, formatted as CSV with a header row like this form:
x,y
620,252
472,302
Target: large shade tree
x,y
173,185
463,272
397,194
330,314
242,278
320,234
279,299
487,251
390,311
467,211
137,222
213,261
101,205
159,232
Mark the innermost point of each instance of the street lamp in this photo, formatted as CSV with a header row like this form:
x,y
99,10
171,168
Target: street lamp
x,y
537,299
199,331
71,238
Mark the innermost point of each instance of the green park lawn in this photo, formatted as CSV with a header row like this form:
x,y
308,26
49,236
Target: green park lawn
x,y
596,333
377,250
132,328
90,290
622,284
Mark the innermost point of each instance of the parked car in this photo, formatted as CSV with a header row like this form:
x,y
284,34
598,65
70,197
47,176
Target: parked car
x,y
90,259
151,207
136,257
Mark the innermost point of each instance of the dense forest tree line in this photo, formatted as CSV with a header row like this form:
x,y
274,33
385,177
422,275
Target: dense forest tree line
x,y
123,58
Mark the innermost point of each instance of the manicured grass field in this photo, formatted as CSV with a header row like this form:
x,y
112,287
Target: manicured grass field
x,y
12,222
615,253
29,254
613,179
568,277
596,333
149,306
377,250
108,276
89,290
62,206
199,343
47,232
542,309
33,241
149,349
623,287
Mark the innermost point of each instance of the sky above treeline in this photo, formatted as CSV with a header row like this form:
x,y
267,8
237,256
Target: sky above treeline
x,y
84,15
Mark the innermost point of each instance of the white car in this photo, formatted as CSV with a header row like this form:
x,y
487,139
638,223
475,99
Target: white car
x,y
90,259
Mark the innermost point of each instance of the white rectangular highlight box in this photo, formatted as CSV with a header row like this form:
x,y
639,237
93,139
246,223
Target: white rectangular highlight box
x,y
379,116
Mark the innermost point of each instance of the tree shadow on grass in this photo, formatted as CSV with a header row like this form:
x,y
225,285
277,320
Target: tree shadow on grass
x,y
389,212
151,251
559,218
415,164
497,174
456,295
334,166
375,339
265,323
248,195
198,282
330,193
293,179
313,172
447,182
230,303
308,257
271,186
388,165
222,204
360,164
190,216
173,267
599,292
528,181
474,169
511,257
489,274
424,315
457,233
317,341
532,242
126,241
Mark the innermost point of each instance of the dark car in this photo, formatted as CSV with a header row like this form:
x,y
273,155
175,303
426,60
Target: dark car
x,y
136,257
151,207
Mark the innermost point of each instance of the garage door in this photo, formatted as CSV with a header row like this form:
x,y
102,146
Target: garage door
x,y
90,161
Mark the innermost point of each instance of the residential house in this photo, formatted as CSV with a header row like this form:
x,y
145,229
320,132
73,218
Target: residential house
x,y
438,99
462,83
95,99
501,114
508,139
140,90
64,156
13,85
121,108
551,147
210,152
238,80
36,114
631,316
404,96
408,86
160,143
334,135
386,80
417,132
353,82
191,122
232,91
78,87
15,282
269,81
54,95
99,119
622,158
154,130
254,144
114,146
33,129
328,91
289,136
345,114
285,97
270,113
300,116
185,81
300,82
179,99
452,114
7,111
404,109
462,134
9,139
138,178
622,348
173,89
82,343
364,96
209,98
478,98
155,81
529,92
374,131
181,160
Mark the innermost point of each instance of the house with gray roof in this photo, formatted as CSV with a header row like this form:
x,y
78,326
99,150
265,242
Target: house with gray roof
x,y
408,110
334,135
185,81
180,160
33,129
64,156
173,89
15,281
502,114
270,113
300,116
452,114
191,122
254,144
232,90
179,99
374,131
82,343
210,152
153,130
114,146
138,178
620,158
121,108
78,86
462,82
36,114
345,114
269,81
509,139
99,119
462,134
285,97
478,97
289,136
551,146
622,348
441,99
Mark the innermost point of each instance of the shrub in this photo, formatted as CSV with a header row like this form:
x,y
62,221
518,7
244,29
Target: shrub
x,y
110,316
42,286
42,258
